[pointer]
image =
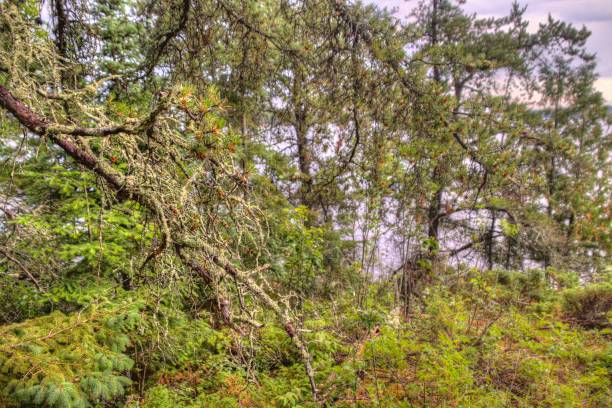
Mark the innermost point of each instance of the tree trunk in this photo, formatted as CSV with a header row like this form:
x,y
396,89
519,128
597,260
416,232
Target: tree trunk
x,y
300,124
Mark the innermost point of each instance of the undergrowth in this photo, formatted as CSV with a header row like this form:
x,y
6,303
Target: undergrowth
x,y
492,340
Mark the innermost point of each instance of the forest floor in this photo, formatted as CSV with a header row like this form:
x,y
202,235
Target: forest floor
x,y
492,341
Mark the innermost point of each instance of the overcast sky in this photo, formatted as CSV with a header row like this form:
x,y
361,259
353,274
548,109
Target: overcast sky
x,y
595,14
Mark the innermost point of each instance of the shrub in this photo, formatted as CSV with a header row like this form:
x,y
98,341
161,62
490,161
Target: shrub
x,y
161,397
589,307
68,361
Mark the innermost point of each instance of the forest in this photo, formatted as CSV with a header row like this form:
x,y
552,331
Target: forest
x,y
301,203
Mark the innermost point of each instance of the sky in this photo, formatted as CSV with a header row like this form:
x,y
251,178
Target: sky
x,y
596,15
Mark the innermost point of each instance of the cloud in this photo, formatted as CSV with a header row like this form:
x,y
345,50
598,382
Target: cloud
x,y
578,11
604,85
595,14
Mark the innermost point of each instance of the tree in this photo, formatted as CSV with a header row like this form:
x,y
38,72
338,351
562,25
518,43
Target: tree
x,y
567,146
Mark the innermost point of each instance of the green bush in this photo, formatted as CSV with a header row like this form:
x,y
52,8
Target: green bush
x,y
68,361
589,307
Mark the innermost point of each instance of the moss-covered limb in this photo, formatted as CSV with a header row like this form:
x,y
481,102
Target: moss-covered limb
x,y
283,314
127,187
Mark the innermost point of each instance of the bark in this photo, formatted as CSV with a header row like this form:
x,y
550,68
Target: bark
x,y
433,214
434,37
490,241
60,27
301,132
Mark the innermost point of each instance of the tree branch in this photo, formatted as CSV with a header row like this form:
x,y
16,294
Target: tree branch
x,y
22,267
127,189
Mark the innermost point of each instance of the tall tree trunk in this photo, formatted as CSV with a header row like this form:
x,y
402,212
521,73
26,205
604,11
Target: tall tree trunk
x,y
59,31
489,243
300,125
433,214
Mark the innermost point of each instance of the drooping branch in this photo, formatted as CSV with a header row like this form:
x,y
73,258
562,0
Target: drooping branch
x,y
40,126
22,267
174,232
282,315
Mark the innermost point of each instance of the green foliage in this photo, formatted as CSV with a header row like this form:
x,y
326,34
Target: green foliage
x,y
458,350
160,397
69,360
306,258
510,230
274,349
81,235
301,250
19,301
